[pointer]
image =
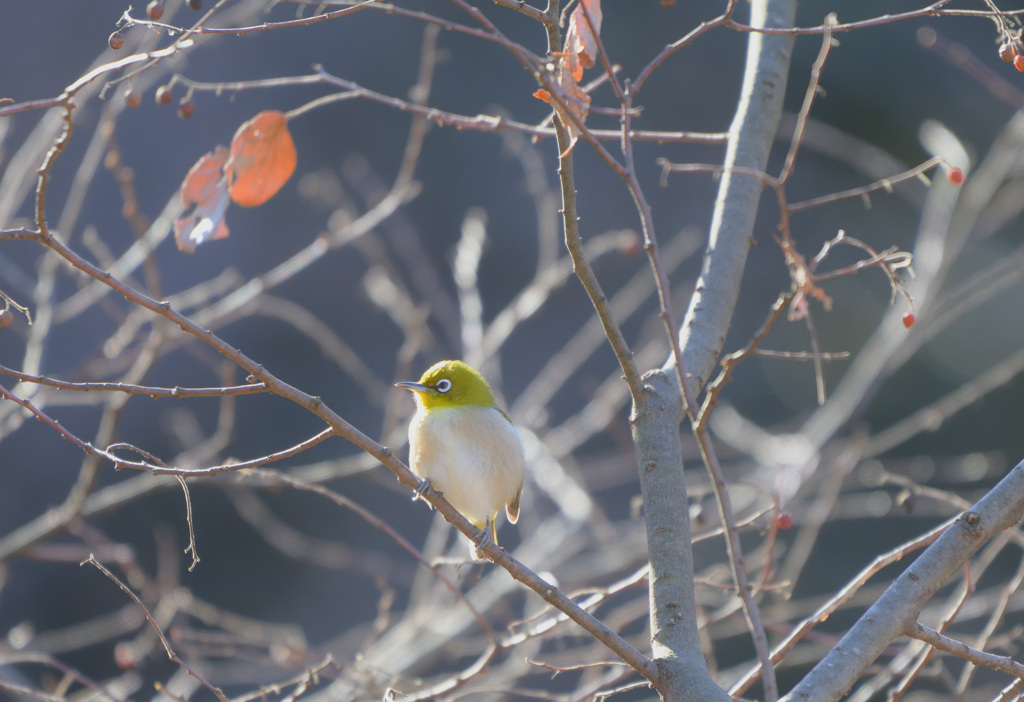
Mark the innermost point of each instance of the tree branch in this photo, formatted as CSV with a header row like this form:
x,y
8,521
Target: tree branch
x,y
750,140
896,611
962,650
675,638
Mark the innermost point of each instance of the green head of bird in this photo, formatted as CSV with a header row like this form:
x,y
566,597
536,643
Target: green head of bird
x,y
451,384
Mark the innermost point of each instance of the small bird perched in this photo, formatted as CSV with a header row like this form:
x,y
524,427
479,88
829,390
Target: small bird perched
x,y
462,444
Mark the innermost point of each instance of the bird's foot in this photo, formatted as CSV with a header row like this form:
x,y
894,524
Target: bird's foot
x,y
421,489
481,541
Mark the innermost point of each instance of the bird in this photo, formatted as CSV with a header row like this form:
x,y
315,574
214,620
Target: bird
x,y
463,445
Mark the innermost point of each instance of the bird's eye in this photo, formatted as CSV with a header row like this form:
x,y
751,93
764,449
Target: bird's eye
x,y
443,385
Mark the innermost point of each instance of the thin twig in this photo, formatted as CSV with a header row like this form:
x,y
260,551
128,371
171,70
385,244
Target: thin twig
x,y
737,564
159,632
129,389
583,270
22,657
337,424
383,526
730,361
809,95
994,620
129,21
958,599
842,596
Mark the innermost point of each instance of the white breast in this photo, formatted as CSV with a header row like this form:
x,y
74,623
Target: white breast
x,y
471,454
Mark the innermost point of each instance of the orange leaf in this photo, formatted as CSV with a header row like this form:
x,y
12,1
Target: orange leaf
x,y
262,159
203,176
204,195
580,39
573,101
577,103
578,53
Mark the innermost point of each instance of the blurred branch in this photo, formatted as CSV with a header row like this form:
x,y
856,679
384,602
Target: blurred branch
x,y
946,226
383,526
163,639
444,638
844,595
933,415
340,427
98,689
64,99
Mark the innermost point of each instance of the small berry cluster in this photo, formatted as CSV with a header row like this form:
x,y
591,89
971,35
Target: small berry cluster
x,y
1012,51
155,8
164,96
132,97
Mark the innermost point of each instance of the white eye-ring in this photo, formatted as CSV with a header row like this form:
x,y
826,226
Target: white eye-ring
x,y
443,385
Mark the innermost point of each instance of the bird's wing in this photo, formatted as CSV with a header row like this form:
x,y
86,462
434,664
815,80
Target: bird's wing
x,y
512,508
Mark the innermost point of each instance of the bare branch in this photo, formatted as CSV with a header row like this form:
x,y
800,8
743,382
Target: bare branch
x,y
895,612
751,136
156,627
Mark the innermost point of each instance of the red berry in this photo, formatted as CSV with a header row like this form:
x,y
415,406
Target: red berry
x,y
124,656
698,514
195,4
132,98
1018,62
186,109
906,501
116,40
784,520
164,95
1006,52
154,10
6,318
632,244
909,319
956,176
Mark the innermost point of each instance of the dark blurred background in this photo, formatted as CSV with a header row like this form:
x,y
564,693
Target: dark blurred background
x,y
879,86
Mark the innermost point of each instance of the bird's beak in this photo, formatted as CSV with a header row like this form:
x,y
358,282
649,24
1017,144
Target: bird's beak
x,y
415,387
